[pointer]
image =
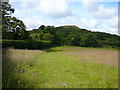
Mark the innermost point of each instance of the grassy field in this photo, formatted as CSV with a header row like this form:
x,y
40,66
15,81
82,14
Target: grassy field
x,y
60,67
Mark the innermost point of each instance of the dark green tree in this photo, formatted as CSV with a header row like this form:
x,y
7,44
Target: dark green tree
x,y
12,28
91,41
42,27
6,11
50,29
76,41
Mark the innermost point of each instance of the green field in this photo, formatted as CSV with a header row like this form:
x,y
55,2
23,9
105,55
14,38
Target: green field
x,y
60,67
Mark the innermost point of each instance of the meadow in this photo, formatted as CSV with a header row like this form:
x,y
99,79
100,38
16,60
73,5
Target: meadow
x,y
60,67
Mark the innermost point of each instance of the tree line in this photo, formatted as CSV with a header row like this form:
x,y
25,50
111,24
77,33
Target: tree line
x,y
74,36
12,27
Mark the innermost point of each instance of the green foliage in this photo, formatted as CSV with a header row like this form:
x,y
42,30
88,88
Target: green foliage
x,y
76,41
75,36
12,28
26,44
42,27
47,36
91,41
49,29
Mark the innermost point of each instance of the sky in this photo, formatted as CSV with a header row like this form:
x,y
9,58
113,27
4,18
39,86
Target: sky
x,y
94,15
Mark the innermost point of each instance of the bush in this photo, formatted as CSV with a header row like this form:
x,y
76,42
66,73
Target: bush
x,y
26,44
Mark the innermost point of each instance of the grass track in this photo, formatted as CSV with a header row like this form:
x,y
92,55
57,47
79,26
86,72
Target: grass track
x,y
56,69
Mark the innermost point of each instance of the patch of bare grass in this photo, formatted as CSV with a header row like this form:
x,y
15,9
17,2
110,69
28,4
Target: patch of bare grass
x,y
102,56
17,55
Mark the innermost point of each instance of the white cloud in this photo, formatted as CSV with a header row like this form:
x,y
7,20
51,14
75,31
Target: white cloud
x,y
113,22
108,25
113,25
24,5
21,13
51,8
81,22
92,23
33,22
87,3
104,13
35,13
69,20
69,0
106,16
94,0
106,30
23,0
54,8
111,30
99,11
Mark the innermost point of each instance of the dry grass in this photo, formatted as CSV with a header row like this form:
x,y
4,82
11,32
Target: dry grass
x,y
18,55
103,56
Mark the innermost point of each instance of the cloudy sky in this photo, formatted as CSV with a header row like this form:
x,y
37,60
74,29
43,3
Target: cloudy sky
x,y
95,15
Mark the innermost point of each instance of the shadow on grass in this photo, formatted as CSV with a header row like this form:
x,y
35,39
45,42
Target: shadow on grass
x,y
10,78
50,50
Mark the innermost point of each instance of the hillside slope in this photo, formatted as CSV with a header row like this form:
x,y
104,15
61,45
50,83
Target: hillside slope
x,y
75,36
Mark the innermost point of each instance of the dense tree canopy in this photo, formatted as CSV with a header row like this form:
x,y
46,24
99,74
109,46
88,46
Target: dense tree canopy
x,y
12,28
75,36
41,27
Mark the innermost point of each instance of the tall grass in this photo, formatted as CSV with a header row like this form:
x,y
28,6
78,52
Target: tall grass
x,y
59,67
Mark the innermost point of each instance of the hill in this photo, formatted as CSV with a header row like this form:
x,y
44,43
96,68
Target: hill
x,y
70,26
74,36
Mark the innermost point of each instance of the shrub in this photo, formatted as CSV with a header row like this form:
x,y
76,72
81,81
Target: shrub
x,y
26,44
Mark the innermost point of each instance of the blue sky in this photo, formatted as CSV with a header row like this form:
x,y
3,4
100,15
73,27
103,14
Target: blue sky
x,y
94,16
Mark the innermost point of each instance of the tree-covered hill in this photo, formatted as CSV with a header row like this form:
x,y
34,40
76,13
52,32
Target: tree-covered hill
x,y
74,36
